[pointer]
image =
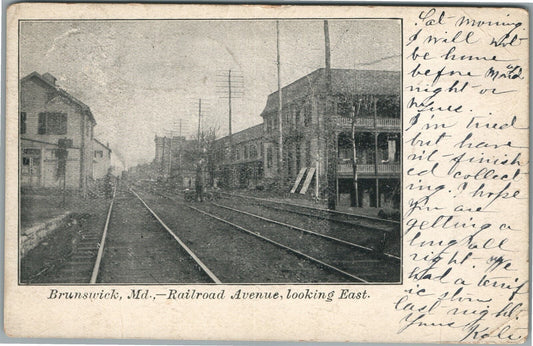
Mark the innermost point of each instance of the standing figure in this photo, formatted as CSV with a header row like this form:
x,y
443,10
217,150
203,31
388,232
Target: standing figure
x,y
108,184
199,183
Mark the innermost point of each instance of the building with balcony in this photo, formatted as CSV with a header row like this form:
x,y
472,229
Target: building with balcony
x,y
49,114
238,162
366,101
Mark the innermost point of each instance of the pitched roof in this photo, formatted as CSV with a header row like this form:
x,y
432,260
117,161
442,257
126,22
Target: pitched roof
x,y
102,144
343,81
84,108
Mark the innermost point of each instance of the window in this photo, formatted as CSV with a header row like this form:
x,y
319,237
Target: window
x,y
296,116
245,152
388,106
52,124
330,107
286,116
50,154
253,151
288,150
98,154
308,154
22,123
307,114
298,157
269,157
344,109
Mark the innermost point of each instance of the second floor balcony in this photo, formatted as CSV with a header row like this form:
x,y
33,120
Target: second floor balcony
x,y
369,122
344,167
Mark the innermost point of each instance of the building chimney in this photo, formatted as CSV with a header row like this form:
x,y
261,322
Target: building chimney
x,y
49,78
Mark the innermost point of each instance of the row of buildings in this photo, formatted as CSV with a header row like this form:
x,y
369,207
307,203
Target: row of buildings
x,y
48,115
314,108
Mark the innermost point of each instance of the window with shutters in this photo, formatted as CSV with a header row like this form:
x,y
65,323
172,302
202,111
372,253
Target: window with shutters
x,y
52,123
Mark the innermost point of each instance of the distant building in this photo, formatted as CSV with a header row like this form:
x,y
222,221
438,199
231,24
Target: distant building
x,y
244,167
174,159
48,114
374,98
101,159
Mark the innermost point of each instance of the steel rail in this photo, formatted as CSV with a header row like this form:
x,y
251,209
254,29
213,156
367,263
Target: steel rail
x,y
189,251
345,242
96,268
299,253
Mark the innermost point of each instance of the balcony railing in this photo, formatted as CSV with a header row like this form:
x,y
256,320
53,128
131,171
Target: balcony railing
x,y
369,122
382,168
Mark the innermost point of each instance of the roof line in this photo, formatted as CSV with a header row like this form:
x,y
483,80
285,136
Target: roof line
x,y
63,93
102,144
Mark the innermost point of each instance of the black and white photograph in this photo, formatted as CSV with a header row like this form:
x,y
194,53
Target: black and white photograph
x,y
209,151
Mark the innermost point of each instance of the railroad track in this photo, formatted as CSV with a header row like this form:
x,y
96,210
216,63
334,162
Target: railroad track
x,y
141,251
123,252
81,264
358,255
322,213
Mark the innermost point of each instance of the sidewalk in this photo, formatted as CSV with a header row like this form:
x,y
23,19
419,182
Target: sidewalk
x,y
295,198
41,215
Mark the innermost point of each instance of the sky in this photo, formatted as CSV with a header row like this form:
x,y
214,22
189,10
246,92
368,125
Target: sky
x,y
144,78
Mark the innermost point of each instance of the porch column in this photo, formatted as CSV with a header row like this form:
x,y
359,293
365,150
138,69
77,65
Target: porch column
x,y
377,192
376,153
336,158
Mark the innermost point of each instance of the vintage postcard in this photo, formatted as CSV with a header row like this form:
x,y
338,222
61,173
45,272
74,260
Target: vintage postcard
x,y
232,172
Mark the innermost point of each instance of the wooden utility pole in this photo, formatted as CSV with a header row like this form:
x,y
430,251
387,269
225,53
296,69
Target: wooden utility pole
x,y
229,128
330,128
199,117
179,156
229,113
280,115
230,85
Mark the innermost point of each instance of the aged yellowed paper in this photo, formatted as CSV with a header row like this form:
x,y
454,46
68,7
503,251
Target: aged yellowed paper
x,y
318,173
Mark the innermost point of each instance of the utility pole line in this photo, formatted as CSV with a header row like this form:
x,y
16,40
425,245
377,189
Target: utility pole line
x,y
230,85
170,157
229,111
280,114
331,140
199,120
179,156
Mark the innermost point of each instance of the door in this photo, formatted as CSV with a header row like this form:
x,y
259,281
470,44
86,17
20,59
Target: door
x,y
31,167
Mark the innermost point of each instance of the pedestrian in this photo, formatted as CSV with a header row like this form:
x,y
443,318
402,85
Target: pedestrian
x,y
199,183
108,184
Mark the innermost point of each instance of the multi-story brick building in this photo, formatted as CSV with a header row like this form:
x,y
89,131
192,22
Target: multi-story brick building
x,y
311,113
49,114
244,167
